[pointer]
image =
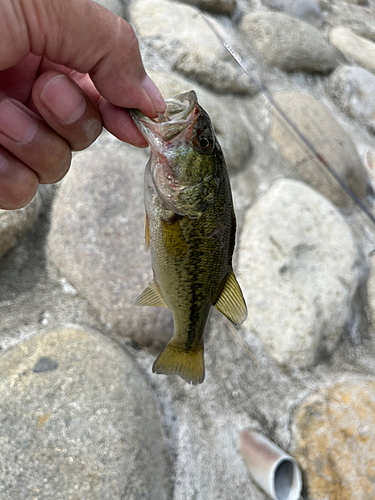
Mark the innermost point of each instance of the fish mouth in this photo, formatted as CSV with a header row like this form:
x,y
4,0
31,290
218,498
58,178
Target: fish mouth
x,y
180,114
174,126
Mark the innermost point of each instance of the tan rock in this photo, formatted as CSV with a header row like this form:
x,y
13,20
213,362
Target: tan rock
x,y
335,441
315,121
355,48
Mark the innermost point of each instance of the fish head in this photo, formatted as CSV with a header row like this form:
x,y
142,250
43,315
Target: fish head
x,y
185,154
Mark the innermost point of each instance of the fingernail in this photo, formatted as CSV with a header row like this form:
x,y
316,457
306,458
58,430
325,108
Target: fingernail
x,y
16,124
63,100
154,94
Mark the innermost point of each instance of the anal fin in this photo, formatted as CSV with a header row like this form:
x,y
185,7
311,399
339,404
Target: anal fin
x,y
175,360
150,296
231,302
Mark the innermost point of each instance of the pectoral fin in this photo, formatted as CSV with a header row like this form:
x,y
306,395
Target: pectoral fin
x,y
150,297
231,302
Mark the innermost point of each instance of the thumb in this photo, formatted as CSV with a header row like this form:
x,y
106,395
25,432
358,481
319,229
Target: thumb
x,y
85,37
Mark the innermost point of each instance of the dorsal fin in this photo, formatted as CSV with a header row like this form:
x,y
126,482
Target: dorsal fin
x,y
231,302
150,296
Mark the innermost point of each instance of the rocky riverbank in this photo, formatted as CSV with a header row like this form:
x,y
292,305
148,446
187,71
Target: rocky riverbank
x,y
82,416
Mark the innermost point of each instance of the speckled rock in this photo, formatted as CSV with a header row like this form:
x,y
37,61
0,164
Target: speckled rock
x,y
316,122
288,43
355,48
16,223
175,32
354,91
216,6
78,421
306,10
226,115
298,267
96,240
335,441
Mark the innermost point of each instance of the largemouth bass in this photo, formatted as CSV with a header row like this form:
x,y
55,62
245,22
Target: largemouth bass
x,y
190,229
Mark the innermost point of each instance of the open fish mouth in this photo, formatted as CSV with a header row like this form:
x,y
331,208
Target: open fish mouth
x,y
181,112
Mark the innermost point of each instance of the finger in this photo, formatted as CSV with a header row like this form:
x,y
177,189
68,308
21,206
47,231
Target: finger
x,y
67,109
84,36
18,184
116,120
31,141
119,122
17,82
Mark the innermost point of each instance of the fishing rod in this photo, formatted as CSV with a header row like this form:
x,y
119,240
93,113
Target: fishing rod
x,y
262,88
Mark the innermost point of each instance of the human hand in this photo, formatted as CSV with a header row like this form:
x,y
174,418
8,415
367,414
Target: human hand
x,y
66,68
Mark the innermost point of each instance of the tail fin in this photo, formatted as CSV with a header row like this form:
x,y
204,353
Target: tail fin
x,y
175,360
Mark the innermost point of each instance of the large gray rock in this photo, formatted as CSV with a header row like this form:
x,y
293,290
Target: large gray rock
x,y
315,121
298,266
288,43
354,91
355,48
175,32
334,441
225,113
14,224
78,421
97,240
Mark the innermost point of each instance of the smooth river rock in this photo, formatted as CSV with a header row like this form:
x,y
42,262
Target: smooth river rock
x,y
355,48
335,441
299,269
315,121
96,240
14,224
289,43
180,36
353,89
78,421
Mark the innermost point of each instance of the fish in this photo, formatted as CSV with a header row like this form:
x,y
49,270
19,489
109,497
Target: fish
x,y
190,230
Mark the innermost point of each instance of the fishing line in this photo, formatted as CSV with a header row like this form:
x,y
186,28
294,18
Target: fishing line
x,y
239,339
239,60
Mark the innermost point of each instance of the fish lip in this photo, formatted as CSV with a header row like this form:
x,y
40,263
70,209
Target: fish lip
x,y
175,125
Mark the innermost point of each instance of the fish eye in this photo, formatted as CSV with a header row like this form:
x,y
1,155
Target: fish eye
x,y
204,143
